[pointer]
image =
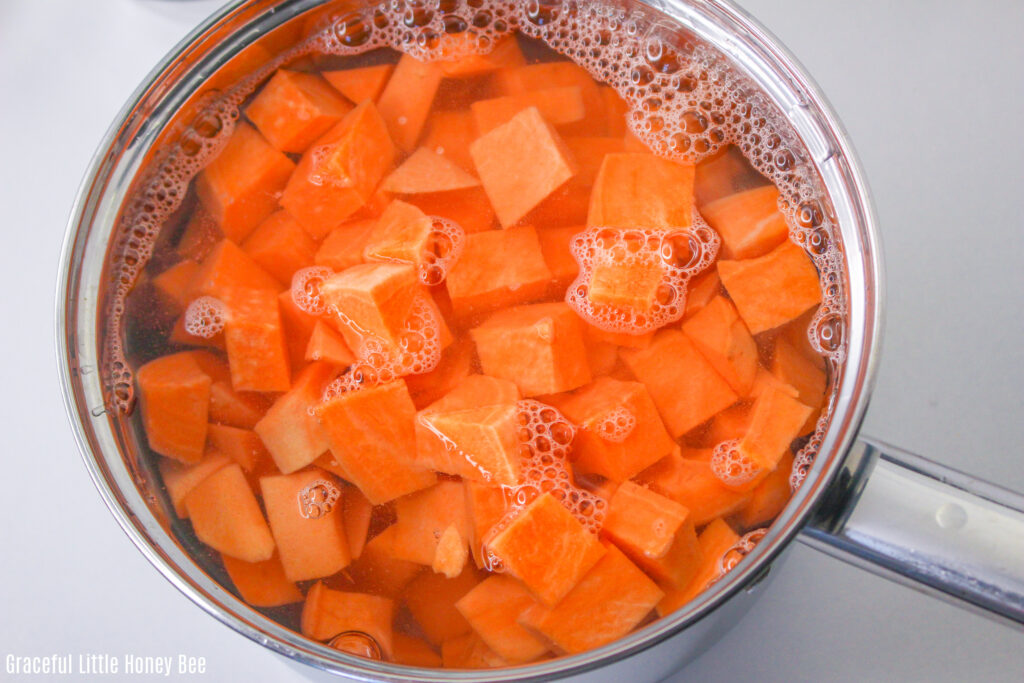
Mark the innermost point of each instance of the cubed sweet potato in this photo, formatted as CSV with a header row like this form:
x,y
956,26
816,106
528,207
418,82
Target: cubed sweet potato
x,y
546,548
520,163
772,289
539,347
240,187
601,447
685,387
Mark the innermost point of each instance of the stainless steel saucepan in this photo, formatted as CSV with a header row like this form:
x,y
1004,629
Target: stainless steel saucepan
x,y
878,507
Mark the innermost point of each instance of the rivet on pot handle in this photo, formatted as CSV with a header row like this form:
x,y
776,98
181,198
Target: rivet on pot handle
x,y
930,527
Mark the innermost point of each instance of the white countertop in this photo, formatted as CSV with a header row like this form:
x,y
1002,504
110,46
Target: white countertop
x,y
932,95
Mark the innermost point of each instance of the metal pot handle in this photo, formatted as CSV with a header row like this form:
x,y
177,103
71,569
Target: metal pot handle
x,y
927,526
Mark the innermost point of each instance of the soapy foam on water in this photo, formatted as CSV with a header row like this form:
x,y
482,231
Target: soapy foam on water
x,y
318,498
378,361
545,438
306,284
616,425
685,102
743,547
679,254
732,467
205,317
443,247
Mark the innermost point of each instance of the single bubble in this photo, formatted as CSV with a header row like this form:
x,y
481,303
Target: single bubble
x,y
357,643
828,332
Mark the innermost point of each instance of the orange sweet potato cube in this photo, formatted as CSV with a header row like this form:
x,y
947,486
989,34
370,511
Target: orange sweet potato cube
x,y
293,436
179,479
776,420
470,207
339,173
655,532
539,347
628,285
174,285
772,289
469,651
634,190
406,100
714,541
362,83
293,109
262,584
226,516
376,571
343,246
749,223
506,53
601,447
308,528
329,612
731,423
532,77
449,135
242,409
493,608
794,368
768,497
701,291
371,435
520,163
254,339
402,233
431,599
472,391
298,327
201,234
723,339
497,269
606,604
485,505
327,345
546,548
357,512
428,171
227,268
241,445
280,246
485,442
554,245
722,174
175,397
691,483
240,187
410,651
455,365
615,111
685,387
374,298
423,517
557,105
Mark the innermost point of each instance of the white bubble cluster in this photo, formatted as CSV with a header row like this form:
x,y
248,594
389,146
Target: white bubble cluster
x,y
545,440
743,547
318,498
444,246
205,317
731,467
678,253
418,350
616,425
306,284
